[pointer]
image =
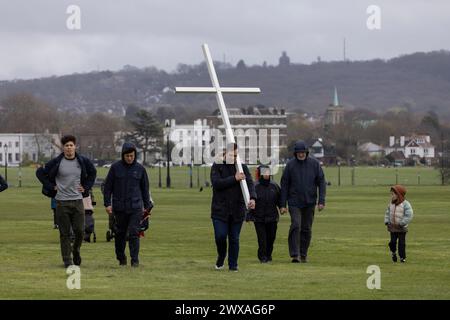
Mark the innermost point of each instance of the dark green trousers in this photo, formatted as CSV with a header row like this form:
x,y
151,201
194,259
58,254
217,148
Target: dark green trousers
x,y
69,214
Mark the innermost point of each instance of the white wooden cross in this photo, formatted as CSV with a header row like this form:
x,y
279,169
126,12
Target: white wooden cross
x,y
223,110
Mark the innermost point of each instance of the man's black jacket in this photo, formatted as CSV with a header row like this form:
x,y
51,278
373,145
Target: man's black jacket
x,y
47,175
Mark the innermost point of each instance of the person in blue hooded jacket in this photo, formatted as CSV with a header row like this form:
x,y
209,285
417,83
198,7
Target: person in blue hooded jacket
x,y
127,195
3,184
301,179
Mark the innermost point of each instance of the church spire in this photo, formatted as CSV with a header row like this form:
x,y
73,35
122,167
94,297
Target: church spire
x,y
336,99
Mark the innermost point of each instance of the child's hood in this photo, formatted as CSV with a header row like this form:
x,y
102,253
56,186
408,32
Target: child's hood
x,y
400,191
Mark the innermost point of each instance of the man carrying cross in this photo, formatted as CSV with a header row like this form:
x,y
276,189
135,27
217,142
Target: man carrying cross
x,y
228,205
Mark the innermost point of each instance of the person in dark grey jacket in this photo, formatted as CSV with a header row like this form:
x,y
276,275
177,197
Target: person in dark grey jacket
x,y
3,184
228,207
301,178
266,213
126,194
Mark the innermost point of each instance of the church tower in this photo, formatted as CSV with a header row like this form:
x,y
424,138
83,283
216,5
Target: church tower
x,y
335,112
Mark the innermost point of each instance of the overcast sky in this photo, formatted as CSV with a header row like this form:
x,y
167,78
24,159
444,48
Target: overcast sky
x,y
35,41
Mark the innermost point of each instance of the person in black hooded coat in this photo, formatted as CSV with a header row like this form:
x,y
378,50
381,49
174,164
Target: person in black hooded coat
x,y
301,179
126,194
228,206
265,216
3,184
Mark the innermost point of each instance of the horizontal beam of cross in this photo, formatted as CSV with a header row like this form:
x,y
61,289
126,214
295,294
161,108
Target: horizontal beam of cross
x,y
214,90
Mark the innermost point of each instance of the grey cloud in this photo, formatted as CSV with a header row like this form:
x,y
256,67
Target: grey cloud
x,y
35,40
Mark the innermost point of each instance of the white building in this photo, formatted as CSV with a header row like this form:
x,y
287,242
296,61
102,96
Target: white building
x,y
374,150
16,147
414,147
250,124
316,148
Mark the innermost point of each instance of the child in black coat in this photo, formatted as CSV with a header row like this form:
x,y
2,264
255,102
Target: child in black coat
x,y
266,213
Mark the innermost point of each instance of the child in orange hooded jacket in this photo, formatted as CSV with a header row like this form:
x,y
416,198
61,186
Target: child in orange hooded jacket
x,y
397,217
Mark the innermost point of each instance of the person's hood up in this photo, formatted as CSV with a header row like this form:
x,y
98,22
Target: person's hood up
x,y
400,191
128,147
300,146
260,177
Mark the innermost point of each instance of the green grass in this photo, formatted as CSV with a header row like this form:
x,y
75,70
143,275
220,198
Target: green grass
x,y
178,252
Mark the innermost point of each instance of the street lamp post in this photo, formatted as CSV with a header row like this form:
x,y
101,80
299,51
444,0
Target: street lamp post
x,y
159,167
442,159
168,156
198,176
190,175
339,173
6,162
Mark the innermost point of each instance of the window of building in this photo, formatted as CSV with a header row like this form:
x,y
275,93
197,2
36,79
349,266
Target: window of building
x,y
17,144
1,157
413,151
0,144
425,151
9,157
17,157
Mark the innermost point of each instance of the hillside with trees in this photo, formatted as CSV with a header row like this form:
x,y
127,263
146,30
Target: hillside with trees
x,y
418,82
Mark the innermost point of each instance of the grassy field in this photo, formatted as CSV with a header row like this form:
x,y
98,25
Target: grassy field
x,y
178,252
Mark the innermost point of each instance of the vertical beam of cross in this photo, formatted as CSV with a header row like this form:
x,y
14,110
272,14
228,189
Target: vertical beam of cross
x,y
223,110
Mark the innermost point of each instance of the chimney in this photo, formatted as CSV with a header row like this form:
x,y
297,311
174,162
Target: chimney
x,y
391,141
402,141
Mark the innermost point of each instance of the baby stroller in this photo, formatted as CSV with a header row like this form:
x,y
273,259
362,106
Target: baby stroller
x,y
89,221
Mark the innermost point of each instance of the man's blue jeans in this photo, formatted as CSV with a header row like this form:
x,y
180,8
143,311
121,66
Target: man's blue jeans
x,y
222,230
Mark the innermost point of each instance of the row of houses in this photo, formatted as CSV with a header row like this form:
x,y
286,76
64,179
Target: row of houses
x,y
398,151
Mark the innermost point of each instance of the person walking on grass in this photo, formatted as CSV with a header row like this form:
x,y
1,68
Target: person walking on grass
x,y
68,178
126,195
397,217
3,184
302,177
228,206
265,216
